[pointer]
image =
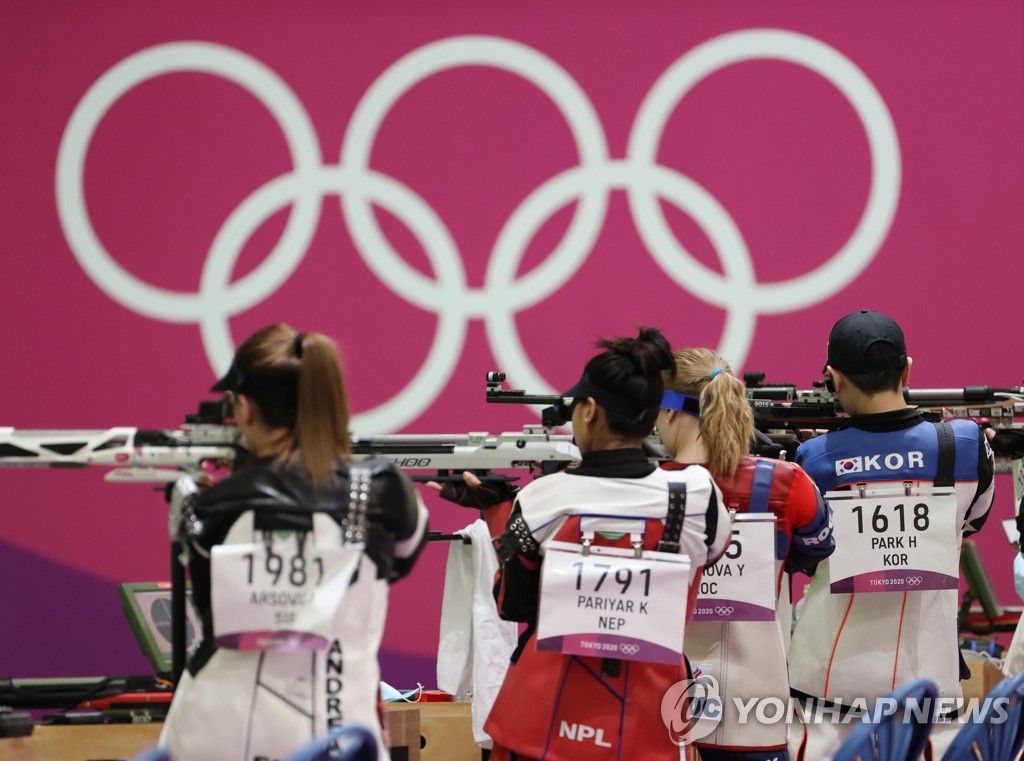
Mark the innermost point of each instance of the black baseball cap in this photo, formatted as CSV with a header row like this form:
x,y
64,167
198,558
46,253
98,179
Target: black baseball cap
x,y
853,335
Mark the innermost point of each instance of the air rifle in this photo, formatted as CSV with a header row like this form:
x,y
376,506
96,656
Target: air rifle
x,y
209,438
784,415
788,415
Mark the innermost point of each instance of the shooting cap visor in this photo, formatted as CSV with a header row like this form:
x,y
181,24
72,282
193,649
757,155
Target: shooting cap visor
x,y
606,399
856,333
231,381
264,388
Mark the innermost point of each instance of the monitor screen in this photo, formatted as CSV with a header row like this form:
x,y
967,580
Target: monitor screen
x,y
147,606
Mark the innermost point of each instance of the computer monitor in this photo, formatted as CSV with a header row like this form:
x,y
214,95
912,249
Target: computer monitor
x,y
147,606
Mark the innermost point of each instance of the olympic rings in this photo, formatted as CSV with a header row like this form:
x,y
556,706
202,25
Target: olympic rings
x,y
724,610
503,294
629,649
915,580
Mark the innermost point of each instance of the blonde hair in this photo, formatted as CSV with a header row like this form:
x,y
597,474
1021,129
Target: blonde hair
x,y
296,381
726,420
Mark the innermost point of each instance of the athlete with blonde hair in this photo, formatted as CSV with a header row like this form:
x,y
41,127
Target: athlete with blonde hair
x,y
706,419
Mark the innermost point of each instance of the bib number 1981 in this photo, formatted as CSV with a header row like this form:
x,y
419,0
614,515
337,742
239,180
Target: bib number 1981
x,y
278,598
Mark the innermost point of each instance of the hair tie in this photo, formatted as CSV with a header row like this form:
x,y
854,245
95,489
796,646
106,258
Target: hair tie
x,y
715,372
297,345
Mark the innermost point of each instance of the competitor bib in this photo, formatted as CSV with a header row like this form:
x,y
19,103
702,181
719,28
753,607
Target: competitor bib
x,y
611,603
740,586
894,540
272,596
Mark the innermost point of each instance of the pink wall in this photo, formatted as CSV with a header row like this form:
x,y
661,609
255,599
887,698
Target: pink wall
x,y
810,159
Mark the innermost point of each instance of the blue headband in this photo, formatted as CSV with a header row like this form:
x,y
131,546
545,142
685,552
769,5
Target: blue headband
x,y
680,402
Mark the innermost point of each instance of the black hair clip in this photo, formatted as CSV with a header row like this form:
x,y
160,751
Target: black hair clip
x,y
297,346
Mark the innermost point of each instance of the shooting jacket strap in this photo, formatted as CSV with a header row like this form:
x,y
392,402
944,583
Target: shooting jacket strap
x,y
674,520
353,524
761,488
517,539
944,475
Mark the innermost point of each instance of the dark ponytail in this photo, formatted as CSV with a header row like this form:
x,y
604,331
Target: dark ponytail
x,y
632,369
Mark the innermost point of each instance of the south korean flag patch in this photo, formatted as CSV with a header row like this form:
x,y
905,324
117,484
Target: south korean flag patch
x,y
849,465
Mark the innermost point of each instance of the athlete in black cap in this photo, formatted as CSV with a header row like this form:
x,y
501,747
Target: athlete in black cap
x,y
597,692
290,559
904,492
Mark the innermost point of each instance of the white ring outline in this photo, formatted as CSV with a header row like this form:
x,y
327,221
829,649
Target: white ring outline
x,y
737,47
261,82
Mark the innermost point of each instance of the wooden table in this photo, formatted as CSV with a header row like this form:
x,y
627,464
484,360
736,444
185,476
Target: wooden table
x,y
445,734
80,743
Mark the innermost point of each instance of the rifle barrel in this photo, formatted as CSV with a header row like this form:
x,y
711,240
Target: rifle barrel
x,y
980,394
513,397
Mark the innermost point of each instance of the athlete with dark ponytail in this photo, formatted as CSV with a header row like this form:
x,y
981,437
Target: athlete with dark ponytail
x,y
558,705
290,559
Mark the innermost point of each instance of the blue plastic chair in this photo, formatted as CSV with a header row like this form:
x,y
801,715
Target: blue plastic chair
x,y
898,735
355,743
152,754
998,735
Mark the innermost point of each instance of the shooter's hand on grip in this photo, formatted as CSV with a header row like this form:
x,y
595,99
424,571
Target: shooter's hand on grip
x,y
492,495
473,491
1006,441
